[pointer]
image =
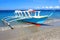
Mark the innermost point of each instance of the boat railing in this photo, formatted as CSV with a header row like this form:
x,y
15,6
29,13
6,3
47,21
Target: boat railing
x,y
22,13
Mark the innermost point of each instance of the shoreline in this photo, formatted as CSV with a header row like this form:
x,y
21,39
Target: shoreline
x,y
49,23
27,31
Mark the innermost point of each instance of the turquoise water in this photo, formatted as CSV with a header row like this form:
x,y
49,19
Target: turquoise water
x,y
5,13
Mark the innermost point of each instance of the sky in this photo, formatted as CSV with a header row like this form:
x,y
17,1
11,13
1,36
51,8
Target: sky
x,y
27,4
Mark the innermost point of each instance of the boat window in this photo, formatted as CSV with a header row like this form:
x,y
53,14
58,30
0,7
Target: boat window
x,y
16,14
32,13
23,13
37,13
26,13
19,14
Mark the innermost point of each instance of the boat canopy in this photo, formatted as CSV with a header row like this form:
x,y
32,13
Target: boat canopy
x,y
30,13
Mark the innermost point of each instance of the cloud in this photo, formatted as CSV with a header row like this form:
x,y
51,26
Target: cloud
x,y
51,7
43,7
38,7
57,7
46,7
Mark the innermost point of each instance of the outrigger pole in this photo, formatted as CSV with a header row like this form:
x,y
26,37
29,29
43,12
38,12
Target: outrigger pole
x,y
7,23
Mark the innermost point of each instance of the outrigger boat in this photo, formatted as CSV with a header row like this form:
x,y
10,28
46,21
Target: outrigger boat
x,y
30,15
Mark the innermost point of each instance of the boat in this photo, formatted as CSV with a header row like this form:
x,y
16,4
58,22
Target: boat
x,y
32,16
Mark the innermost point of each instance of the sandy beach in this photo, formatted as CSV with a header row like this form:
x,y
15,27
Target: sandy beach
x,y
31,32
